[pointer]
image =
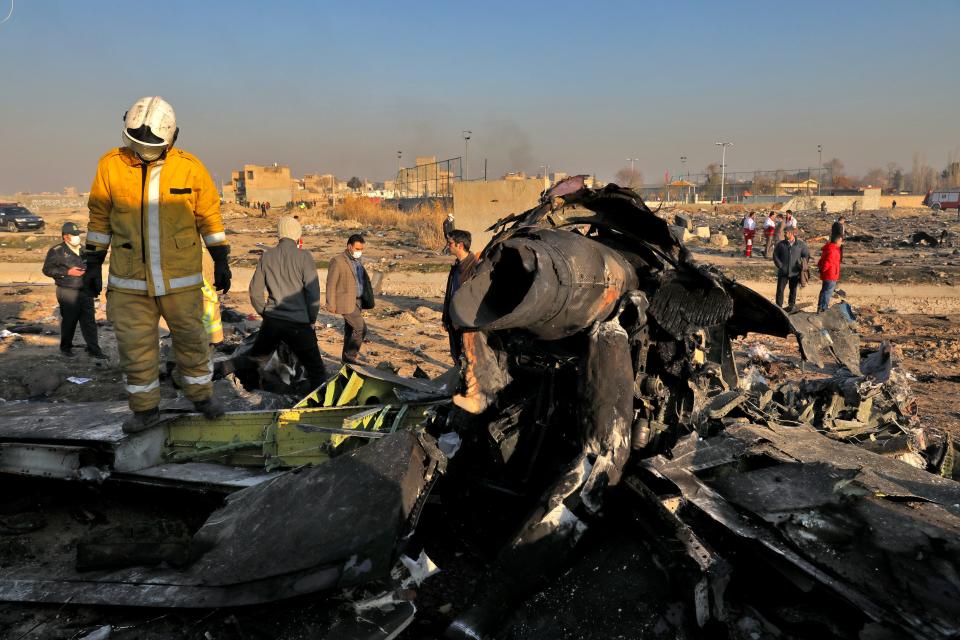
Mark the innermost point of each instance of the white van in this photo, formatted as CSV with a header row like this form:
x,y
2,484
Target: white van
x,y
943,199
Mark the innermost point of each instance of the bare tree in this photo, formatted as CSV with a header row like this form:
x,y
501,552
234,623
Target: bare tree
x,y
762,183
836,171
950,176
875,177
922,177
895,176
630,178
713,173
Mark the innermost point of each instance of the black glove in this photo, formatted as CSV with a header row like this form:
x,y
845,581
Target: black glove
x,y
221,268
93,276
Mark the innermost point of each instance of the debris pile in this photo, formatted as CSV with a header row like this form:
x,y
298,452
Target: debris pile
x,y
598,395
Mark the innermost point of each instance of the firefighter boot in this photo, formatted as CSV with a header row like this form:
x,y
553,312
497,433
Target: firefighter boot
x,y
142,420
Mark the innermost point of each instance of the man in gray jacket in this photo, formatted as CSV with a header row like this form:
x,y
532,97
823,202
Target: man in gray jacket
x,y
790,256
285,290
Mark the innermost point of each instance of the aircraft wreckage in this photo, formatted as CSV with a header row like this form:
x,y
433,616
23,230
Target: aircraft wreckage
x,y
598,376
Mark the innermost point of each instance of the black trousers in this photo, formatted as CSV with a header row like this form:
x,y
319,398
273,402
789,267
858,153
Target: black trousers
x,y
782,282
301,339
456,344
354,331
76,306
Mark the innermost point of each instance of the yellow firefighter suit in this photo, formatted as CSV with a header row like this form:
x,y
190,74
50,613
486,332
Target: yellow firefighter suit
x,y
212,323
153,216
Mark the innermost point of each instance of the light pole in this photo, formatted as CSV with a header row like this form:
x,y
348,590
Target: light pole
x,y
545,168
683,171
396,184
723,165
466,153
633,173
819,167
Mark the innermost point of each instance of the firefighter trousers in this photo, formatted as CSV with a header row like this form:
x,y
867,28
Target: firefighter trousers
x,y
136,320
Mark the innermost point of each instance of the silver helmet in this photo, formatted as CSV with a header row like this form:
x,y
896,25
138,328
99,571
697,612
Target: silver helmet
x,y
149,127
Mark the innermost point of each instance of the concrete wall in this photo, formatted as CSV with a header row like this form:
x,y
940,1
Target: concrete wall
x,y
477,205
902,201
869,200
276,196
38,202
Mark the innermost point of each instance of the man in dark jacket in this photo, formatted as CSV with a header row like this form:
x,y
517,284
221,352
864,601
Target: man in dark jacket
x,y
458,244
839,229
789,256
346,278
285,290
65,265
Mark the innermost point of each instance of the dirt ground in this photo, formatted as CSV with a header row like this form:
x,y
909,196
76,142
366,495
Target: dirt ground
x,y
889,278
902,291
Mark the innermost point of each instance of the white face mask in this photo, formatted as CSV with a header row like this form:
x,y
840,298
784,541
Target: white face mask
x,y
74,240
356,254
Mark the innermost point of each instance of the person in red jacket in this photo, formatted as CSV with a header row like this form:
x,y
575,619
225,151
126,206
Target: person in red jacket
x,y
829,270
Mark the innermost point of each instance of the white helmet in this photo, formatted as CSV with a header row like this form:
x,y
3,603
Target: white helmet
x,y
149,127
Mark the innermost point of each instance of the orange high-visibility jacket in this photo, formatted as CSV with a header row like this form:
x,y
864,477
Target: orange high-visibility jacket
x,y
153,217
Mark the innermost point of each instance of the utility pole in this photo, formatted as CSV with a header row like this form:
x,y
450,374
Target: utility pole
x,y
631,161
683,171
819,167
723,165
398,180
466,154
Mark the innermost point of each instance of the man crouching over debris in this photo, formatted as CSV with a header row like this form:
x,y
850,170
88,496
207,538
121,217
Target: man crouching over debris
x,y
458,245
151,205
285,290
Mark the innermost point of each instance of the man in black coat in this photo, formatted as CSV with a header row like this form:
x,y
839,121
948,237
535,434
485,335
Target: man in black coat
x,y
839,230
789,256
458,244
66,266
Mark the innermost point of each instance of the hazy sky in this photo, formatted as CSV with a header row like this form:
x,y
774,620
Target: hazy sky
x,y
341,86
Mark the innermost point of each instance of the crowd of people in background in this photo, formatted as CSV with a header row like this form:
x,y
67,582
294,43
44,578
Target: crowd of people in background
x,y
791,256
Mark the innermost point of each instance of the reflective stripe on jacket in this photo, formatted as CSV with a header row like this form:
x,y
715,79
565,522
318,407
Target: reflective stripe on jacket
x,y
153,217
211,313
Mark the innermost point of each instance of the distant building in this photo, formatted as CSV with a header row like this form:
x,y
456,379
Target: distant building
x,y
804,187
70,191
315,187
255,183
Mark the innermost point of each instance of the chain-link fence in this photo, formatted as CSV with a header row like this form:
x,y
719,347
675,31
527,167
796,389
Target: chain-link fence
x,y
742,186
434,179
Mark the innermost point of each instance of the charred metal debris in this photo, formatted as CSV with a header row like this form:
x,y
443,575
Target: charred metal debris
x,y
598,391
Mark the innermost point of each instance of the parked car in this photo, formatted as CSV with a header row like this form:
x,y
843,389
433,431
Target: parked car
x,y
15,217
943,199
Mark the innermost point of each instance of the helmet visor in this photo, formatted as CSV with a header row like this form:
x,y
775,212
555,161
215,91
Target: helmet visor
x,y
144,143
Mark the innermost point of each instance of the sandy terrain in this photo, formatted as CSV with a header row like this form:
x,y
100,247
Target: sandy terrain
x,y
902,293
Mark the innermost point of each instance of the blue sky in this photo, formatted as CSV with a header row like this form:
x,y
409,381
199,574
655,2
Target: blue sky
x,y
341,86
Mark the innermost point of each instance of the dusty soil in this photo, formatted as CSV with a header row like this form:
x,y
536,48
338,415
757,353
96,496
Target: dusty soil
x,y
903,292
